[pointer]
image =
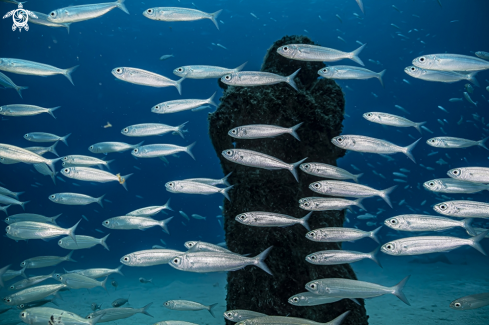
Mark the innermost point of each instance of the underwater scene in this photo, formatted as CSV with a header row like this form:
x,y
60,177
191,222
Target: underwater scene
x,y
244,162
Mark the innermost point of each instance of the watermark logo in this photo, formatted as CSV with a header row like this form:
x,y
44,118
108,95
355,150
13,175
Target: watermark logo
x,y
20,17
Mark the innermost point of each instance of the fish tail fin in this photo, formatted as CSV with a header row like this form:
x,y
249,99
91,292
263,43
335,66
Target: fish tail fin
x,y
357,176
4,209
358,203
120,4
373,234
225,191
188,150
238,69
373,255
210,309
71,232
210,101
397,290
107,163
293,168
16,194
408,150
22,273
385,194
471,78
123,180
294,129
260,260
224,180
163,224
475,241
103,283
137,145
64,139
482,143
144,310
51,162
304,221
53,219
94,320
2,272
380,75
103,242
290,79
417,126
67,26
167,205
338,320
51,110
19,90
53,177
22,204
69,259
67,73
354,55
99,200
214,16
52,148
178,84
119,271
180,130
467,224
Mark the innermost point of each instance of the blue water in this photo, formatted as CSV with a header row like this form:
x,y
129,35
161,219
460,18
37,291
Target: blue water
x,y
120,40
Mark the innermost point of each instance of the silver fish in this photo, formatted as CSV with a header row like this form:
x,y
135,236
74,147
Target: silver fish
x,y
237,315
21,155
440,76
180,14
482,55
42,150
327,204
392,120
258,78
328,171
347,288
471,302
421,222
349,72
340,234
47,315
146,78
6,82
29,282
32,294
270,219
7,275
80,160
150,257
82,242
199,246
46,261
463,209
75,199
148,129
367,144
108,147
78,281
43,19
97,272
256,159
336,257
119,302
210,181
204,262
467,97
111,314
130,222
180,105
20,66
31,217
150,211
39,230
310,299
6,191
166,57
451,142
470,174
430,244
161,150
189,187
285,320
346,189
44,170
262,131
307,52
10,200
450,62
45,137
75,14
94,175
188,306
205,71
450,185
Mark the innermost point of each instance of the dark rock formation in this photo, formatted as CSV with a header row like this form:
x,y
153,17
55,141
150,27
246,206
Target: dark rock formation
x,y
320,105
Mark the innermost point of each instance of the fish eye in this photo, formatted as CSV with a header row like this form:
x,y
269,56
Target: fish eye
x,y
26,135
432,141
64,164
389,246
233,131
65,158
306,166
22,306
91,147
52,14
295,299
149,11
60,242
394,221
157,107
312,234
126,130
339,139
23,314
242,217
166,303
66,170
316,185
12,287
229,315
313,286
90,317
126,259
369,114
175,260
285,48
455,172
324,70
443,206
7,219
457,304
106,222
170,184
229,152
22,264
421,59
135,150
179,69
431,184
228,77
413,69
190,244
306,204
53,196
313,257
8,228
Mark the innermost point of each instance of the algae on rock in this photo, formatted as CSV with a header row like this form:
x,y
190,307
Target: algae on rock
x,y
319,104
